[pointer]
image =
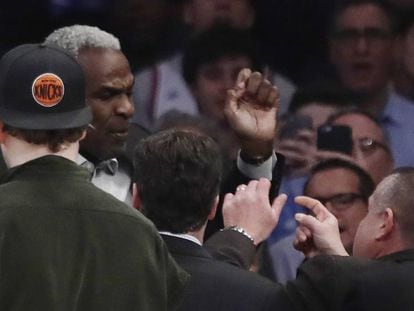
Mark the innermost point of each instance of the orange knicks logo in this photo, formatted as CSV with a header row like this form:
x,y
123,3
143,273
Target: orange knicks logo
x,y
48,90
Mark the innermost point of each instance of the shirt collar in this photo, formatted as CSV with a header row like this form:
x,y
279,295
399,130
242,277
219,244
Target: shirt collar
x,y
182,236
109,166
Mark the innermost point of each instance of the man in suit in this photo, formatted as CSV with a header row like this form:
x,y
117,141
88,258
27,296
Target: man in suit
x,y
381,273
178,174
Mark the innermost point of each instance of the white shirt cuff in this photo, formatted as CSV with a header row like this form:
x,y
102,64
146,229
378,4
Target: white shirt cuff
x,y
263,170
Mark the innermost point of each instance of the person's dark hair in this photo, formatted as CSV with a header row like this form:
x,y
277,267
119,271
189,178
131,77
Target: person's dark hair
x,y
54,139
218,42
366,185
397,195
345,4
323,92
223,137
406,20
178,173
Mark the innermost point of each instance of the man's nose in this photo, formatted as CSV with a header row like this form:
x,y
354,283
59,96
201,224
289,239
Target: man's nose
x,y
362,45
125,106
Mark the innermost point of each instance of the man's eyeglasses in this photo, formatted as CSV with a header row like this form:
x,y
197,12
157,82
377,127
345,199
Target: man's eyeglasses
x,y
368,145
352,36
342,201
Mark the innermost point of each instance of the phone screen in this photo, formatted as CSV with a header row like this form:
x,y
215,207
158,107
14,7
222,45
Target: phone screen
x,y
335,138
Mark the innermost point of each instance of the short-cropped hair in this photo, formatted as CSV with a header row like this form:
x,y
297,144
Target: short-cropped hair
x,y
73,38
178,173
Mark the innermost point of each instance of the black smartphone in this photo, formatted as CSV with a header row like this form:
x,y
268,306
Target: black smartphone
x,y
335,138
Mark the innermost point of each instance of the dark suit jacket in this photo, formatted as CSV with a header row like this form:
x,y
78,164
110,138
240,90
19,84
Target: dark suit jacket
x,y
349,283
341,283
219,286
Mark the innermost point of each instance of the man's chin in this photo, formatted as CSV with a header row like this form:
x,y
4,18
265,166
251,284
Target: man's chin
x,y
105,152
115,150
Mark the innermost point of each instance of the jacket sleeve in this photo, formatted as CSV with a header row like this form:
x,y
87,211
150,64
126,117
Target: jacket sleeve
x,y
231,246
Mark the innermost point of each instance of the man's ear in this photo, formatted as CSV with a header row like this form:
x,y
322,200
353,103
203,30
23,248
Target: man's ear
x,y
387,225
214,209
136,197
3,134
83,135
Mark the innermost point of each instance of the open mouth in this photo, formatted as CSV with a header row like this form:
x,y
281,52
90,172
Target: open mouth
x,y
362,69
120,135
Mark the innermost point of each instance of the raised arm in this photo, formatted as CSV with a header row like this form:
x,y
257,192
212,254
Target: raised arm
x,y
251,111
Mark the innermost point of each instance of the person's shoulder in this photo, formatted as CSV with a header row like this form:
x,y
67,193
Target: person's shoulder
x,y
335,267
226,284
398,104
93,200
238,277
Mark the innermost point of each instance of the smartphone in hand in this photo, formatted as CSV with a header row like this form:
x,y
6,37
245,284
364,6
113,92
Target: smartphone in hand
x,y
335,138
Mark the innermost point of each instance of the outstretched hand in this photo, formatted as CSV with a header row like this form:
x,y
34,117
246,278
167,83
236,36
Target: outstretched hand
x,y
251,110
317,233
250,209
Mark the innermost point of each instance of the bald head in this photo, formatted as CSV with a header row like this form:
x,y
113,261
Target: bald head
x,y
395,192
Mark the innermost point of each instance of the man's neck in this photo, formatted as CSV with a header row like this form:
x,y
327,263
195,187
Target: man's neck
x,y
198,234
185,236
17,151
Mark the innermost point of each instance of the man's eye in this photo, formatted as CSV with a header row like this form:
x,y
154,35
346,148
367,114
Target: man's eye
x,y
104,95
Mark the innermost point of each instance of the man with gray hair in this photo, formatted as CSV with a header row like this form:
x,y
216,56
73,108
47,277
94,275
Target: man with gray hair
x,y
109,83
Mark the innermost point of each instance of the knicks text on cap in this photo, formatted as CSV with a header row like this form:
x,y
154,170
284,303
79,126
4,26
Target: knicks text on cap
x,y
48,90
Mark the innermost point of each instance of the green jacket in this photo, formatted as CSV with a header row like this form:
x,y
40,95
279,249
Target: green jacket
x,y
66,245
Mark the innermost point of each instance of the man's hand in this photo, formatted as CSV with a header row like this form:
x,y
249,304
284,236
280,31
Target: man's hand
x,y
251,111
318,234
250,209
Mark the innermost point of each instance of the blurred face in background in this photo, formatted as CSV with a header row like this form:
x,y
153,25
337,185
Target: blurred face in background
x,y
370,148
361,48
212,81
338,190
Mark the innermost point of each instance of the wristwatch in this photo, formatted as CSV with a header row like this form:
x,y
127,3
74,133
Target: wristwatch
x,y
240,230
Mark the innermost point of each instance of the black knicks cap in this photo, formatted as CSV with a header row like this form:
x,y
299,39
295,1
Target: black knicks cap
x,y
42,87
